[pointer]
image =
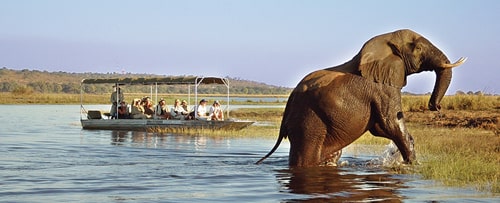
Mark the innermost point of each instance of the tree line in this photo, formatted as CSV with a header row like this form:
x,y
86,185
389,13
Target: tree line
x,y
35,81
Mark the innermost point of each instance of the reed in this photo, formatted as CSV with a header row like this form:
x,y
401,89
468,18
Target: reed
x,y
249,132
267,124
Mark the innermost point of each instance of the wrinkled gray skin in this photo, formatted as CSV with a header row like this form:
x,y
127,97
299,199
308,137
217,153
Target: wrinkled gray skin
x,y
331,108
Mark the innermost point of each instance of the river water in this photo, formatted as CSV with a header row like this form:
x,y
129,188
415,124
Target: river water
x,y
47,157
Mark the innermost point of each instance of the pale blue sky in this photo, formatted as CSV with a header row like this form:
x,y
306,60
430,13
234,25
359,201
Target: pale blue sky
x,y
270,41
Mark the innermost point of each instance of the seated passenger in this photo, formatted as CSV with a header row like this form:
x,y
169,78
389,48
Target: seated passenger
x,y
161,110
184,105
148,106
190,113
201,110
178,112
123,112
137,110
216,113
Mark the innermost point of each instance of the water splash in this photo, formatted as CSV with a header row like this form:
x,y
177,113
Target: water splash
x,y
390,157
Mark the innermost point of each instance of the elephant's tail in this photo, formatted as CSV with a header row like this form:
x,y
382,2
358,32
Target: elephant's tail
x,y
278,142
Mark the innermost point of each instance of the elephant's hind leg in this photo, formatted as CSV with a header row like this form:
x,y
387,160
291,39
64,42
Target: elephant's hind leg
x,y
307,140
331,159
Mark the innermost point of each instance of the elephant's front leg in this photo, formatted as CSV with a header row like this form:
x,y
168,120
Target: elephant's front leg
x,y
394,128
405,141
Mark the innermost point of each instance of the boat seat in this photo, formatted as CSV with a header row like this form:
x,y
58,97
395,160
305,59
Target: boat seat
x,y
92,114
108,115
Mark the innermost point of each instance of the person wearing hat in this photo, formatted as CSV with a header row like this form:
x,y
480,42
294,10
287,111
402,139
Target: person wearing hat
x,y
184,105
177,112
201,110
161,110
137,110
216,113
147,104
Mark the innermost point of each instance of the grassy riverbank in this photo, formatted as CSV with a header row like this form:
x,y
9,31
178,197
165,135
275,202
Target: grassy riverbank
x,y
458,156
50,98
409,103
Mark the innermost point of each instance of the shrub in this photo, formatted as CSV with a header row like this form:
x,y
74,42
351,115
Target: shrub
x,y
22,90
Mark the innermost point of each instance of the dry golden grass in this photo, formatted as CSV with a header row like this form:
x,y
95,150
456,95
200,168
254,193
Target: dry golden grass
x,y
455,102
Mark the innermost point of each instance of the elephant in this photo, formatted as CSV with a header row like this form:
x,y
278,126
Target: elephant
x,y
331,108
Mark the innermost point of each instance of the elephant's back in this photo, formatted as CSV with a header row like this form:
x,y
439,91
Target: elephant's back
x,y
318,79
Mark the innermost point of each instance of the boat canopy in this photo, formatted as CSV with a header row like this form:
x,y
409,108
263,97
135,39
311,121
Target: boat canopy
x,y
159,80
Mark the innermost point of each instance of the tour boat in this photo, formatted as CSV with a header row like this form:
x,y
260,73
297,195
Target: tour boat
x,y
100,120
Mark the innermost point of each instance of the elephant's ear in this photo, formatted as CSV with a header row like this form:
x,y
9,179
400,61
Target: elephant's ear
x,y
381,60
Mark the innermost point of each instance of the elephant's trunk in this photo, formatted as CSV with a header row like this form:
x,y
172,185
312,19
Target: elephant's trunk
x,y
443,79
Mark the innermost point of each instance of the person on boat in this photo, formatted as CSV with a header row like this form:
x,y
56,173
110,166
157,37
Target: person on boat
x,y
216,113
123,112
116,98
148,106
201,110
137,110
161,110
184,105
177,111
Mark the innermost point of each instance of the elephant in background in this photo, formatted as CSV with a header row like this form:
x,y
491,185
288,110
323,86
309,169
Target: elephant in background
x,y
331,108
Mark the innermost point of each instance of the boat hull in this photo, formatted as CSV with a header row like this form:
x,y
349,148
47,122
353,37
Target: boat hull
x,y
162,125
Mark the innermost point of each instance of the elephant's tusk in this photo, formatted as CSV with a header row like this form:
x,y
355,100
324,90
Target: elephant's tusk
x,y
460,61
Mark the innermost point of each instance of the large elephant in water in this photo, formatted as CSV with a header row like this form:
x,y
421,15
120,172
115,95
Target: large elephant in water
x,y
331,108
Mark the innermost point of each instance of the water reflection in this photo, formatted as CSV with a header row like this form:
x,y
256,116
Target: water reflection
x,y
340,184
155,140
118,137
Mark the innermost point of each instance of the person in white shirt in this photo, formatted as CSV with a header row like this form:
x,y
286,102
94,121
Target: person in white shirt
x,y
201,110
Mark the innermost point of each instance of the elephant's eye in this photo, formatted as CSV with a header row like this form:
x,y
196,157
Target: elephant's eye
x,y
417,48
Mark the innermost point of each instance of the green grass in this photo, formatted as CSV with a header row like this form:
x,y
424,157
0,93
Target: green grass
x,y
459,156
